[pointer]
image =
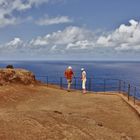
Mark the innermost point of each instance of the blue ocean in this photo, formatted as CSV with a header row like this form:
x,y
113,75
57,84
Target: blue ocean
x,y
123,70
129,71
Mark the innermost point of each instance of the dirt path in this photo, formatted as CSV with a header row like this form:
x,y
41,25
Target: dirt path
x,y
45,113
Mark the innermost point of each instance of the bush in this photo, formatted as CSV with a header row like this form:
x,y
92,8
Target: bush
x,y
9,67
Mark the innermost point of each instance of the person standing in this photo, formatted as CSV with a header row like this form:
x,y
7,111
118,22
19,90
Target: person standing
x,y
83,78
69,75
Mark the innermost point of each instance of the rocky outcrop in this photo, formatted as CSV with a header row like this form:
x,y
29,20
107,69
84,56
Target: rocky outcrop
x,y
21,76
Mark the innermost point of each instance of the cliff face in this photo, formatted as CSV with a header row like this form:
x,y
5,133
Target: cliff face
x,y
21,76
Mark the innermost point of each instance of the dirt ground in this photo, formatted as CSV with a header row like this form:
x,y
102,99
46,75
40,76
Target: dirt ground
x,y
46,113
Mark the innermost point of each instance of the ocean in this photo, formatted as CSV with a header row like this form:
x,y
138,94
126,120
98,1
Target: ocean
x,y
128,71
123,70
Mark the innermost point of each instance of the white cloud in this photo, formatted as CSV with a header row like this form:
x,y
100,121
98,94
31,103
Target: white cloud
x,y
126,37
7,7
54,20
13,49
83,44
70,34
12,45
19,5
104,41
23,5
124,41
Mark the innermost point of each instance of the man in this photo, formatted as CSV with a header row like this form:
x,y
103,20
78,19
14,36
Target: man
x,y
83,78
69,75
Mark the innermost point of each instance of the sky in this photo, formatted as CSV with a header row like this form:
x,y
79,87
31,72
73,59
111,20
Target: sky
x,y
69,30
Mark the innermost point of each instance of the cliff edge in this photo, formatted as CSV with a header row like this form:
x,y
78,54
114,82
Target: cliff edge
x,y
20,76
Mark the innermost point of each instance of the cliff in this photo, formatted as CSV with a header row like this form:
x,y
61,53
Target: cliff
x,y
20,76
43,112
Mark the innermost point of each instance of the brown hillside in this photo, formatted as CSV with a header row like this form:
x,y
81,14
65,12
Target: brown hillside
x,y
45,113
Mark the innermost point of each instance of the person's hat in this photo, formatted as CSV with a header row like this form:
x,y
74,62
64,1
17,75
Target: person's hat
x,y
82,69
69,67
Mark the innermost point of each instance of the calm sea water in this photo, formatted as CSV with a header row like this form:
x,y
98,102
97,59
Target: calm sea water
x,y
127,71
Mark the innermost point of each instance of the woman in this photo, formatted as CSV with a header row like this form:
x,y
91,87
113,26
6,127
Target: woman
x,y
83,78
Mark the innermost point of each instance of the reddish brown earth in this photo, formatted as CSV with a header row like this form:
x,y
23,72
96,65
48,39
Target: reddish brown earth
x,y
47,113
8,76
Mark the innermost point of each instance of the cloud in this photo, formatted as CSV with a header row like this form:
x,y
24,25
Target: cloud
x,y
78,42
83,44
17,42
70,34
124,38
7,7
123,41
54,20
13,45
13,49
8,21
19,5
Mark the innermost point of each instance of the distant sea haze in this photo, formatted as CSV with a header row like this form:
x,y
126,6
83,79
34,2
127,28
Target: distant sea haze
x,y
129,71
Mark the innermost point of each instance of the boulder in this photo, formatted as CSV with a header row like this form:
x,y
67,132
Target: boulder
x,y
20,76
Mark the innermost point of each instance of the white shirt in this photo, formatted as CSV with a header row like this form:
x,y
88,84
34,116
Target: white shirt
x,y
83,75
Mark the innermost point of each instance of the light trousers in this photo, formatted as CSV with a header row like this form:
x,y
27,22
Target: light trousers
x,y
69,81
84,84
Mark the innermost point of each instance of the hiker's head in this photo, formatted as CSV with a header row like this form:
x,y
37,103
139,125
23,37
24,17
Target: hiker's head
x,y
82,69
69,67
